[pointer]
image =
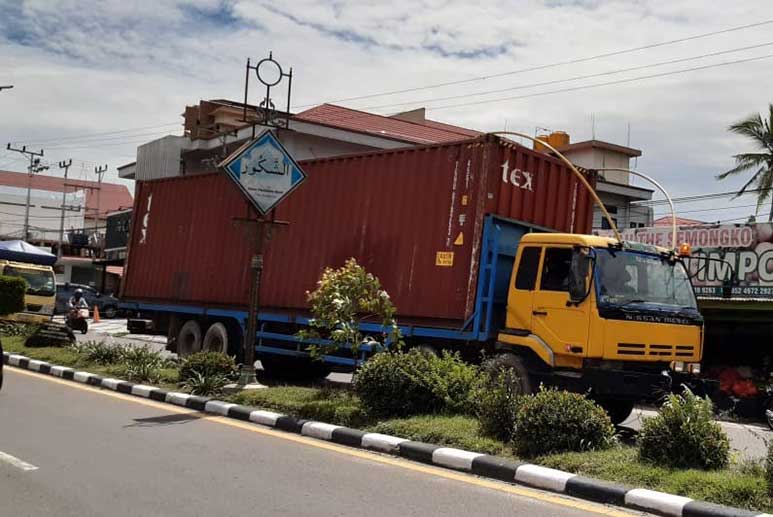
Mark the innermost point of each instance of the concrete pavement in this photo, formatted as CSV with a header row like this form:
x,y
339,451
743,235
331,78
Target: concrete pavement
x,y
103,453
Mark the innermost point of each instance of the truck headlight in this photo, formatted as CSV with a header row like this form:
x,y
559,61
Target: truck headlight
x,y
694,368
47,309
677,366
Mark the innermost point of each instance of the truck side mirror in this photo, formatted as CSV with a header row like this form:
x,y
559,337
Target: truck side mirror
x,y
578,275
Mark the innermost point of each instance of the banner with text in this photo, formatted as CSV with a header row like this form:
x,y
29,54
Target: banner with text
x,y
748,247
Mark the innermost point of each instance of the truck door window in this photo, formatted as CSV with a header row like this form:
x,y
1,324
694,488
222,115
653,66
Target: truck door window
x,y
526,277
556,269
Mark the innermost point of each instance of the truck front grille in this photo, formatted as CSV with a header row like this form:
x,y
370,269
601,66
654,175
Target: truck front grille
x,y
655,350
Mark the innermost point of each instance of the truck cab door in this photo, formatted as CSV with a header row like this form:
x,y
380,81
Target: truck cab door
x,y
523,281
563,326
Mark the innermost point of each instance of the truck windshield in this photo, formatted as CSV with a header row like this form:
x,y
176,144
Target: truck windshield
x,y
39,282
628,277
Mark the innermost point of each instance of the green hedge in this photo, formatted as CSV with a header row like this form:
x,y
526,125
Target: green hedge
x,y
684,435
12,290
415,382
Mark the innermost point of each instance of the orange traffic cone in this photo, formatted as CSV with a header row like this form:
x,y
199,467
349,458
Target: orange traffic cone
x,y
96,314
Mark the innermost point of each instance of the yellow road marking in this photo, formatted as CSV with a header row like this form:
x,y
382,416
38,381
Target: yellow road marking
x,y
396,462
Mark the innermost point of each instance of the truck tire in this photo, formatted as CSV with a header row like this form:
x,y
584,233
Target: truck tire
x,y
428,349
293,368
618,409
508,361
189,338
216,339
111,311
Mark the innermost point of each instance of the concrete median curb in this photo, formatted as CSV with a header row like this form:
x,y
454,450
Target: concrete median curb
x,y
483,465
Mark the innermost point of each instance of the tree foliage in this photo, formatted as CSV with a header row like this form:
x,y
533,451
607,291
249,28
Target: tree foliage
x,y
12,291
344,298
759,132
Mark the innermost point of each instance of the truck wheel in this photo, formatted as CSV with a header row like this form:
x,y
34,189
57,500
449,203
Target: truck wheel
x,y
617,409
293,368
428,349
189,339
216,339
521,380
111,312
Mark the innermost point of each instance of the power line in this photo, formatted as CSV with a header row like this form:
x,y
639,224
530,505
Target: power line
x,y
699,197
575,78
546,66
709,209
109,132
608,83
96,141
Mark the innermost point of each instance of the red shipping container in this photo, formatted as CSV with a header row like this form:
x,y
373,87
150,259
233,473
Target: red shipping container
x,y
413,217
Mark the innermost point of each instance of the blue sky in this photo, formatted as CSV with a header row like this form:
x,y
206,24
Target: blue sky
x,y
91,67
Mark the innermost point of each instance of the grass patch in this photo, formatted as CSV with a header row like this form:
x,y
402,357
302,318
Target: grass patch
x,y
741,485
66,356
334,406
462,432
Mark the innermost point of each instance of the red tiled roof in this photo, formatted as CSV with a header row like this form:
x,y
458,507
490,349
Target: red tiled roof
x,y
428,132
680,221
111,198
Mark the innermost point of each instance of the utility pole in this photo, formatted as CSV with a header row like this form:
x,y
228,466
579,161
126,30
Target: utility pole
x,y
33,168
66,166
99,171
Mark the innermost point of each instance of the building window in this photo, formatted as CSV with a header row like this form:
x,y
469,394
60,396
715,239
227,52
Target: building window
x,y
605,223
526,277
555,270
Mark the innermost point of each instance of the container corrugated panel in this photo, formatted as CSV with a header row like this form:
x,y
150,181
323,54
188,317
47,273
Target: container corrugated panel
x,y
185,245
413,217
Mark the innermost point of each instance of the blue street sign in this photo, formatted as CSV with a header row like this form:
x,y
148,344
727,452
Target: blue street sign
x,y
264,170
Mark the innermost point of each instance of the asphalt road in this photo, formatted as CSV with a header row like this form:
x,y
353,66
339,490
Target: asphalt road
x,y
747,440
100,453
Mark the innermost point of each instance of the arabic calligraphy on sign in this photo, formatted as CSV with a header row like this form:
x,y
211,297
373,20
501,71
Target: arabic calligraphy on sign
x,y
264,170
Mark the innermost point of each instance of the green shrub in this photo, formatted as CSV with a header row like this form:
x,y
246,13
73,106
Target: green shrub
x,y
207,364
552,421
12,291
205,385
141,364
496,400
343,298
402,384
15,328
100,352
684,435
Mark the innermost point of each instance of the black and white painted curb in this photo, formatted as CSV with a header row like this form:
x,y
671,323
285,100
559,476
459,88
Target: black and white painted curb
x,y
480,464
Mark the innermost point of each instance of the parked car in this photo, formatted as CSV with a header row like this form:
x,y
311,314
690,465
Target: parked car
x,y
107,303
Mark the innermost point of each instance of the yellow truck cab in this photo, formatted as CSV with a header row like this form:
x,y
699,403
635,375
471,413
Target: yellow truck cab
x,y
41,290
591,314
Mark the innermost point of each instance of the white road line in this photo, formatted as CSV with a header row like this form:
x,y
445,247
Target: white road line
x,y
16,462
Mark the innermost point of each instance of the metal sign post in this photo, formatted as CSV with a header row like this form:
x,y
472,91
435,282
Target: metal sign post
x,y
266,174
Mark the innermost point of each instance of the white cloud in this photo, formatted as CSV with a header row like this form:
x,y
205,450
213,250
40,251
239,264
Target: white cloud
x,y
83,68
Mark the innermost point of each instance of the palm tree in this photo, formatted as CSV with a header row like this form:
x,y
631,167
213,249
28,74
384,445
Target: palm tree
x,y
760,131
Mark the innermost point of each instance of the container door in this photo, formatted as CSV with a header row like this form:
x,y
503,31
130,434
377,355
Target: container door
x,y
563,327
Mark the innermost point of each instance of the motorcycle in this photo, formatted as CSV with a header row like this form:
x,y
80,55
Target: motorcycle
x,y
77,319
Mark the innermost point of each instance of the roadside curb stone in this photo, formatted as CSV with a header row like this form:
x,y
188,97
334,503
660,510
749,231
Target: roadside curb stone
x,y
483,465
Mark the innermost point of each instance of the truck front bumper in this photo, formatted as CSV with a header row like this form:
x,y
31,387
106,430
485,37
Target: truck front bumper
x,y
627,384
